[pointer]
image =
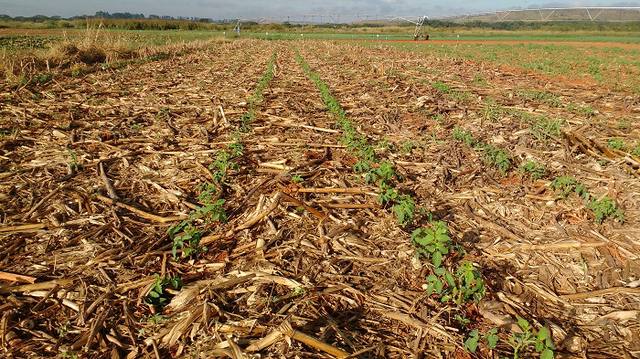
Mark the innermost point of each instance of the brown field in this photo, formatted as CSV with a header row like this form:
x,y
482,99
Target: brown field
x,y
287,250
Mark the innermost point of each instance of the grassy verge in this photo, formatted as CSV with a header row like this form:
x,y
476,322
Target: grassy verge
x,y
80,54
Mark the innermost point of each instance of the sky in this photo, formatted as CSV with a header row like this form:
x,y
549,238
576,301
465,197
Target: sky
x,y
281,9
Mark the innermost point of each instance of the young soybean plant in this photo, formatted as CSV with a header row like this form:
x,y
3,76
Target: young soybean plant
x,y
531,340
433,242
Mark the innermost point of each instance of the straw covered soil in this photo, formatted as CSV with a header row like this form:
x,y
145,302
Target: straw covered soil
x,y
206,205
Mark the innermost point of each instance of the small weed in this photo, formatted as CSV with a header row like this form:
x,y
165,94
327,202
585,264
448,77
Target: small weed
x,y
492,112
605,208
441,87
157,318
63,329
624,124
463,321
541,96
42,79
533,169
432,242
385,145
438,117
164,114
545,128
531,340
297,179
135,127
408,147
478,80
77,70
6,132
585,110
636,150
617,144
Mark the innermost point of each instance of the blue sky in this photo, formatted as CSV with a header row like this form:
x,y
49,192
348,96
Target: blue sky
x,y
220,9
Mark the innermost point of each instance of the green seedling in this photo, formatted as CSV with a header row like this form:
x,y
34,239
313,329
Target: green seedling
x,y
473,339
432,242
158,296
533,169
463,321
297,179
387,194
404,210
42,79
463,286
496,157
408,147
188,242
567,185
471,344
541,96
384,173
636,150
531,340
74,165
544,128
211,212
492,112
236,149
617,144
605,208
461,135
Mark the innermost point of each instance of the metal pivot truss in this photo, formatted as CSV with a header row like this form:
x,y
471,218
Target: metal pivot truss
x,y
419,34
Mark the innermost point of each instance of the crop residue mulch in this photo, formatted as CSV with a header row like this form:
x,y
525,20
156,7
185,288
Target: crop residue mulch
x,y
96,169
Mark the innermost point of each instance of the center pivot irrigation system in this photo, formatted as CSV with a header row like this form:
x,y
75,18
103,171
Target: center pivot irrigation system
x,y
418,33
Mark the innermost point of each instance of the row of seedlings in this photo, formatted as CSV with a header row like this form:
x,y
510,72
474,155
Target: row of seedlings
x,y
186,235
602,208
455,282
